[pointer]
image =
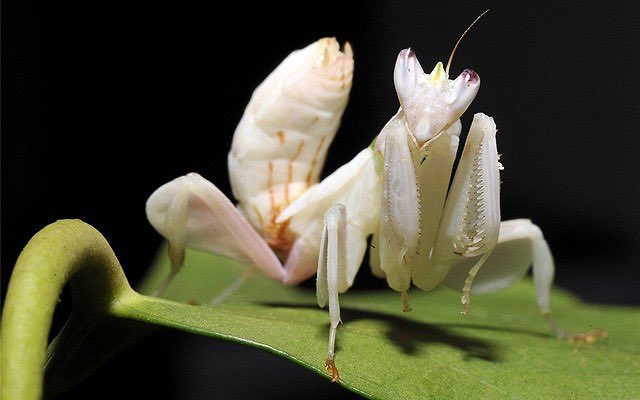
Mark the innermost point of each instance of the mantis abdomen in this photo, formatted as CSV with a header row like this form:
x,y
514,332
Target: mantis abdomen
x,y
281,143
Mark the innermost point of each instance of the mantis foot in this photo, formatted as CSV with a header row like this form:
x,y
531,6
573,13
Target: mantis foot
x,y
586,337
406,307
332,370
589,336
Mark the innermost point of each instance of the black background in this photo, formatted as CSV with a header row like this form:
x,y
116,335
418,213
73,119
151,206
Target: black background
x,y
105,101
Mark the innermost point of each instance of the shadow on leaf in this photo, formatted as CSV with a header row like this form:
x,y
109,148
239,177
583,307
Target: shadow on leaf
x,y
409,336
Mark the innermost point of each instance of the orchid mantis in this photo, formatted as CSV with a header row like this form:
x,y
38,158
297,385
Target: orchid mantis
x,y
424,231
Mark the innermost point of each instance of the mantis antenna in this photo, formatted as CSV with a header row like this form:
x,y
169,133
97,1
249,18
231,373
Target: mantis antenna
x,y
453,52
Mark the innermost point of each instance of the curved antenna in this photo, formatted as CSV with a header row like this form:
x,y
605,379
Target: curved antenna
x,y
453,52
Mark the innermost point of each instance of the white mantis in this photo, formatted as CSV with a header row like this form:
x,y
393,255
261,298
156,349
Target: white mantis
x,y
426,232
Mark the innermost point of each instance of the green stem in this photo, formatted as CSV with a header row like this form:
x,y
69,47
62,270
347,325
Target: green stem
x,y
65,251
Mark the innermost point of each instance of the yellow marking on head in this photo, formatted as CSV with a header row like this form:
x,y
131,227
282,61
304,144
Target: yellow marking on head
x,y
438,73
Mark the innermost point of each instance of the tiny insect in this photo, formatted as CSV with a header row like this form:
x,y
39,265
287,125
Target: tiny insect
x,y
424,231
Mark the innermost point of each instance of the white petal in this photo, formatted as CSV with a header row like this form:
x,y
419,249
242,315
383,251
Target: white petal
x,y
210,222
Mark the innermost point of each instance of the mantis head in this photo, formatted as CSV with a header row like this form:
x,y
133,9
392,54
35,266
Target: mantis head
x,y
431,102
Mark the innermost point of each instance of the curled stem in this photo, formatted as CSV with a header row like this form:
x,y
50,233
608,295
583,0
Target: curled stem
x,y
65,251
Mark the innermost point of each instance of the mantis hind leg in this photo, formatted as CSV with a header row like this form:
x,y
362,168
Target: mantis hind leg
x,y
192,212
331,272
520,245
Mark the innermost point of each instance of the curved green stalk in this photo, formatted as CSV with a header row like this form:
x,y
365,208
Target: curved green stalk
x,y
65,251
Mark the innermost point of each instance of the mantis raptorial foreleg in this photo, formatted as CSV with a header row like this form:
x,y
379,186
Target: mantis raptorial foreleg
x,y
332,261
400,217
433,166
471,218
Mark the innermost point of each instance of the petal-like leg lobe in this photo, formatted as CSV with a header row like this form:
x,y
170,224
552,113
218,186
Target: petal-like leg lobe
x,y
508,263
208,222
521,245
302,261
348,185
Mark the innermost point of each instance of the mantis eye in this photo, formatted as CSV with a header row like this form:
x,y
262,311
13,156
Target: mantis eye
x,y
406,74
470,75
463,91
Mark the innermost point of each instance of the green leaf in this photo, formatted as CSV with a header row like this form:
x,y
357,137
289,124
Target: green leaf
x,y
502,349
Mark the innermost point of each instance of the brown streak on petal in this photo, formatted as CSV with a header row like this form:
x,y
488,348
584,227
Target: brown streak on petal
x,y
277,235
290,172
281,137
272,198
314,161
